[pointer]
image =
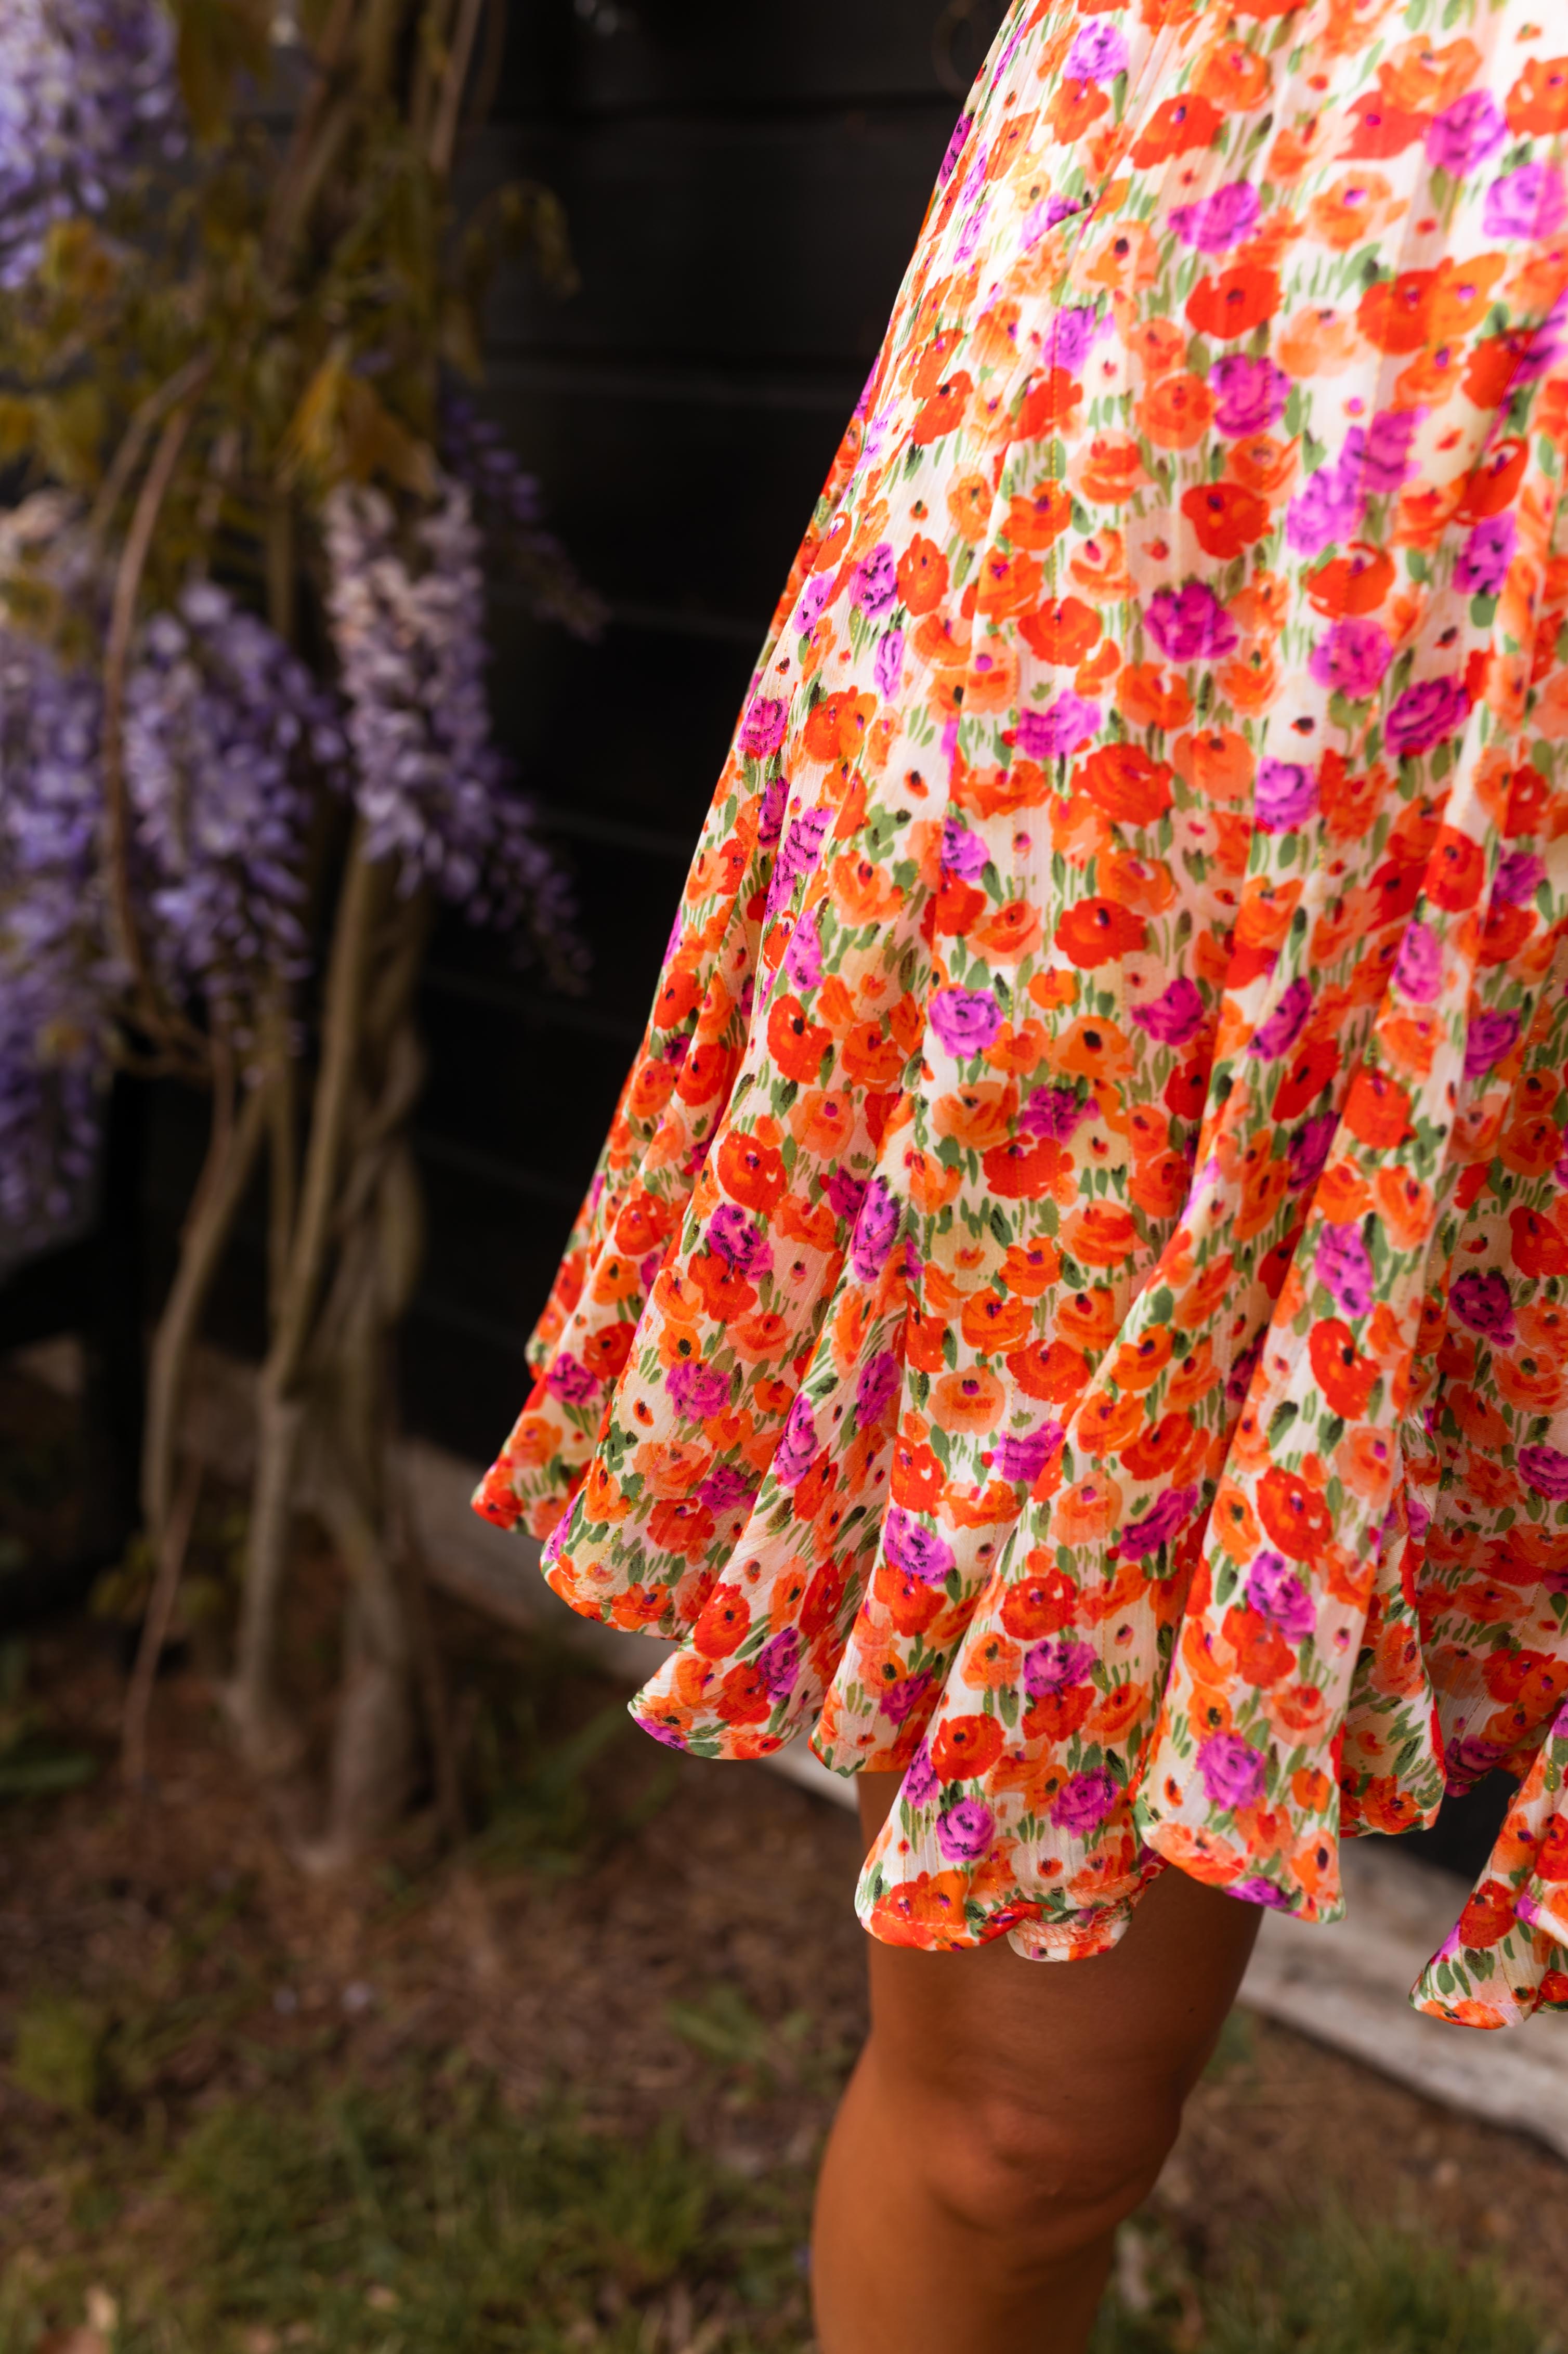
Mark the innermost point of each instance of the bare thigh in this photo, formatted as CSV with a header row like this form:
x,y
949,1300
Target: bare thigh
x,y
1095,2057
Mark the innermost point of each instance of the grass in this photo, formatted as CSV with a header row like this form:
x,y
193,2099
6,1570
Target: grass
x,y
422,2216
426,2218
1323,2284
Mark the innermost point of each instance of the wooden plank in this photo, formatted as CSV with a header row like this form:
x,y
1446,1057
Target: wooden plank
x,y
633,728
720,241
709,53
539,1100
701,507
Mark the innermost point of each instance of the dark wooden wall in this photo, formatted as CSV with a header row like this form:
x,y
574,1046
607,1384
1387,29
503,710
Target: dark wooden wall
x,y
744,181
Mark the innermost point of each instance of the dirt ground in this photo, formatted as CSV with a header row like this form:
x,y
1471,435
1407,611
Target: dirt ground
x,y
547,1975
646,1936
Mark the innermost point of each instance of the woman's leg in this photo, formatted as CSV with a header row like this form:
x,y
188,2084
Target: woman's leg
x,y
1003,2118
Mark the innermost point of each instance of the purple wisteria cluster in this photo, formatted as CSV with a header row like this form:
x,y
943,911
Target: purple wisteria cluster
x,y
408,610
87,91
54,975
226,731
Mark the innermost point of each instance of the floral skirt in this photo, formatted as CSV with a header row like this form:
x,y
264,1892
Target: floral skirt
x,y
1072,1308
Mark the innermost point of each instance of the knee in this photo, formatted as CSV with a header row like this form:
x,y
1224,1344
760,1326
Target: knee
x,y
1046,2177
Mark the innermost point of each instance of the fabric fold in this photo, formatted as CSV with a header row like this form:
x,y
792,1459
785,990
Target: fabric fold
x,y
1074,1307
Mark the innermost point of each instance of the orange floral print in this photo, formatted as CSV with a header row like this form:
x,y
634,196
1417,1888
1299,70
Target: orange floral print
x,y
1073,1307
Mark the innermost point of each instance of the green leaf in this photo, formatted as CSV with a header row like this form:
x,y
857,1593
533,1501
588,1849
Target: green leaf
x,y
216,40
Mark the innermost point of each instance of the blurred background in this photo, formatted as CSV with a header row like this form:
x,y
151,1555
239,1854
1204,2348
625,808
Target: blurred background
x,y
547,2065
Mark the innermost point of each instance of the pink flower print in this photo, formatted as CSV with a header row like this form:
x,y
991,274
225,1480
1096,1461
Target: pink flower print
x,y
1059,729
875,585
1175,1016
1529,202
779,1663
1219,221
1232,1774
916,1550
1351,657
1157,1527
571,1381
965,1020
1099,52
1466,134
1426,715
762,731
875,1390
1055,1667
1344,1268
1485,555
1491,1036
1545,1468
696,1391
1419,971
889,665
1483,1302
1189,622
1084,1801
1276,1592
1285,795
1277,1034
1250,394
967,1831
875,1232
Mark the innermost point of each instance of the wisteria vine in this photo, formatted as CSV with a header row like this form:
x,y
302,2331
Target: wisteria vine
x,y
87,93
